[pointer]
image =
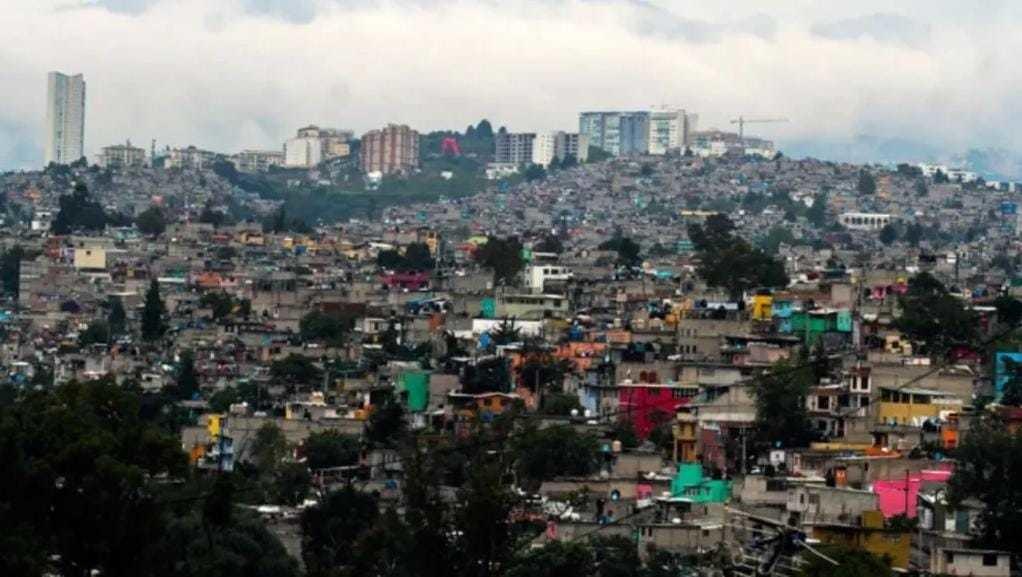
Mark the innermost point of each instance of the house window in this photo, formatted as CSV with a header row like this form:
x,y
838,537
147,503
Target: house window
x,y
949,557
823,403
990,560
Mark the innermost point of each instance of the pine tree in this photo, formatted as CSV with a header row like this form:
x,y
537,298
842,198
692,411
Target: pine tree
x,y
117,319
153,325
187,379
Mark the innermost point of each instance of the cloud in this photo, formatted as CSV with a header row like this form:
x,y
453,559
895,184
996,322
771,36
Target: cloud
x,y
294,11
132,7
236,74
652,20
880,26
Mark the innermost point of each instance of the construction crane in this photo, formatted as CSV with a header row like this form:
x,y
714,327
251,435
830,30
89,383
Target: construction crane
x,y
741,121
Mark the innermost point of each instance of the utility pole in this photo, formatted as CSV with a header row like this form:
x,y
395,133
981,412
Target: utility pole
x,y
745,456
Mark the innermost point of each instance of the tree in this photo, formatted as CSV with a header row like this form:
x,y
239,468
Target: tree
x,y
390,259
921,188
269,448
777,236
483,525
219,302
934,317
295,370
484,129
817,213
542,454
597,154
535,172
98,331
221,401
616,556
913,234
867,185
504,257
187,378
78,211
117,319
78,493
624,431
781,415
628,251
560,404
989,464
243,546
729,262
909,170
851,563
10,271
488,375
549,243
210,215
1009,310
386,423
151,221
331,529
1011,394
888,234
291,484
330,328
153,325
554,559
505,333
418,256
330,448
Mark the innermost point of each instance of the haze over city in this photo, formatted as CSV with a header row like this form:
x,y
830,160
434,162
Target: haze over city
x,y
548,288
936,77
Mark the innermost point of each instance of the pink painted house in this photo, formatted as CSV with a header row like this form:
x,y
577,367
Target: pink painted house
x,y
891,493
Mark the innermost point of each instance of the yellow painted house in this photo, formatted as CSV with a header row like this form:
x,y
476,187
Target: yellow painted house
x,y
908,406
762,307
892,544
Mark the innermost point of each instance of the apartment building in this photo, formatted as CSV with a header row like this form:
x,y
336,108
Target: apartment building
x,y
122,156
65,118
393,149
618,133
513,148
313,145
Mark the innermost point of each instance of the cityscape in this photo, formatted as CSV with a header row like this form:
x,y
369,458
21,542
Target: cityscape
x,y
658,340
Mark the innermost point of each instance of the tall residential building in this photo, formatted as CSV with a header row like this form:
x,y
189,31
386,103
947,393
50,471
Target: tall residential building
x,y
122,156
618,133
65,118
313,145
389,150
691,126
666,131
513,148
559,145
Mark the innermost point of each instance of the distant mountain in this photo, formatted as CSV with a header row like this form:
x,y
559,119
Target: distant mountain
x,y
862,149
991,163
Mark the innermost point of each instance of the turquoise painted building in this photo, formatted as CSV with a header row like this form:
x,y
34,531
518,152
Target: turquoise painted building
x,y
690,485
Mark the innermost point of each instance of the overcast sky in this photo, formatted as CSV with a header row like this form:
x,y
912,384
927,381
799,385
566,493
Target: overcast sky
x,y
235,74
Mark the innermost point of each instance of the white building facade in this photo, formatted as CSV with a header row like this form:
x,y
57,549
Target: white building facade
x,y
864,220
65,118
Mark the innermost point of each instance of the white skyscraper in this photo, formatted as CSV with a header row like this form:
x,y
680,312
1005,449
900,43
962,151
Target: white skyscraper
x,y
65,118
